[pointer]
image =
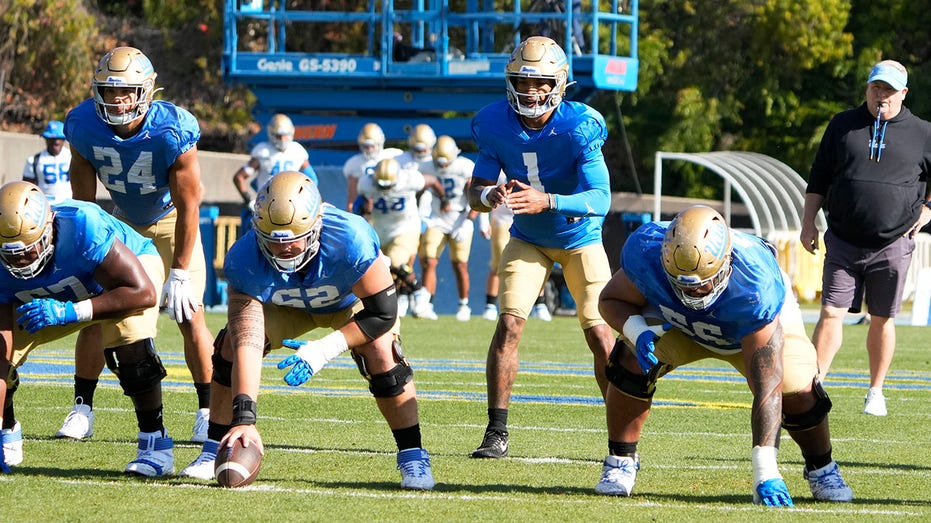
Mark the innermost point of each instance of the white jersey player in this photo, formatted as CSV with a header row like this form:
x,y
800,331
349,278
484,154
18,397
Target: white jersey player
x,y
50,168
371,142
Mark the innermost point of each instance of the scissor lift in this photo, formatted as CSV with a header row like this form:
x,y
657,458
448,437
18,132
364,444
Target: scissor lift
x,y
403,63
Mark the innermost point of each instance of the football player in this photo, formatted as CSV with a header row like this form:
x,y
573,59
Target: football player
x,y
718,294
280,153
452,223
64,268
371,141
557,186
49,167
391,195
145,153
308,265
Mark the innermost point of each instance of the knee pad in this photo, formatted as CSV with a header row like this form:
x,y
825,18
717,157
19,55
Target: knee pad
x,y
815,415
137,366
387,384
639,386
222,368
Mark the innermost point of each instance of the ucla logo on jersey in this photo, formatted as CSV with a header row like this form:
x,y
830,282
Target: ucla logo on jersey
x,y
716,241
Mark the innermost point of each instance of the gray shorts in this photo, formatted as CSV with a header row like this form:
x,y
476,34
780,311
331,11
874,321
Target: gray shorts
x,y
852,272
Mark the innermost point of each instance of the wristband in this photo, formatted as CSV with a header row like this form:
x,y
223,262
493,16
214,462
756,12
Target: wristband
x,y
634,327
334,344
551,198
84,310
243,410
764,464
248,169
484,198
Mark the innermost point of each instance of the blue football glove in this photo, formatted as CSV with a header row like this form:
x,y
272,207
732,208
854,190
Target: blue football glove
x,y
45,312
4,468
646,344
307,361
773,493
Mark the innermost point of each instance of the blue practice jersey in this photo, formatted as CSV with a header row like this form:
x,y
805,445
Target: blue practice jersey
x,y
753,298
134,170
84,234
563,158
348,247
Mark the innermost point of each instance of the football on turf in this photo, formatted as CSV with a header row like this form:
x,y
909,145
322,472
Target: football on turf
x,y
237,466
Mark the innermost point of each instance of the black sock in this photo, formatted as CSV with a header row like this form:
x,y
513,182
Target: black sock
x,y
150,420
84,389
203,395
215,431
408,438
817,462
617,448
9,418
540,299
491,300
498,419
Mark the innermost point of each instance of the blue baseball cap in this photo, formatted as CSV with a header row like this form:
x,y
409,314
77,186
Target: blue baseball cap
x,y
55,130
891,72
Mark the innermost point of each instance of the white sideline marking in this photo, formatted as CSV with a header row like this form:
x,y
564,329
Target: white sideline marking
x,y
402,494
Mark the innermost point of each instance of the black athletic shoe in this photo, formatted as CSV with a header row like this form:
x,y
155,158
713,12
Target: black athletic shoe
x,y
494,445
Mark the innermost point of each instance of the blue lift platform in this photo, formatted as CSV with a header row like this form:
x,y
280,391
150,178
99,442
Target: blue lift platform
x,y
401,63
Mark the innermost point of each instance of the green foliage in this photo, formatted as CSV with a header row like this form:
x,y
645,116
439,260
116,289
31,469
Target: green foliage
x,y
47,52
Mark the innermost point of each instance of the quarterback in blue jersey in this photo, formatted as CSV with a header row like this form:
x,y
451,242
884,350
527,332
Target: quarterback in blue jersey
x,y
144,152
557,186
307,265
67,267
714,293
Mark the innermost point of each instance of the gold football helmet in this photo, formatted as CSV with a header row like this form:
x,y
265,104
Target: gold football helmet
x,y
288,208
537,57
371,141
421,140
386,173
123,67
280,131
25,229
697,256
445,151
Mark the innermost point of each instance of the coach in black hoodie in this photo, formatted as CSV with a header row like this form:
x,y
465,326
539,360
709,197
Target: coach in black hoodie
x,y
871,168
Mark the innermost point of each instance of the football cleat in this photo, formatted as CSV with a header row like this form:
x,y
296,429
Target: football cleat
x,y
154,457
827,484
541,312
201,422
79,423
491,312
403,305
204,466
618,475
414,465
464,313
494,445
12,445
875,403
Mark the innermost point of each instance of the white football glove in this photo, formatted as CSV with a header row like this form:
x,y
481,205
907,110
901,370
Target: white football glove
x,y
178,296
463,232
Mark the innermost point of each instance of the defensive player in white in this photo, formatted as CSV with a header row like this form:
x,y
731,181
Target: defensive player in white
x,y
390,192
144,152
306,265
714,293
278,154
49,167
66,267
419,153
550,151
451,223
371,141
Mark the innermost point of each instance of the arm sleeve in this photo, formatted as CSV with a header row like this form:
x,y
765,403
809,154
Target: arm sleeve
x,y
594,198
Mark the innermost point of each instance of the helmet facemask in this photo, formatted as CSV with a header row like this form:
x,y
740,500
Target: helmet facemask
x,y
386,173
280,132
123,68
696,255
445,152
371,141
25,226
541,58
288,209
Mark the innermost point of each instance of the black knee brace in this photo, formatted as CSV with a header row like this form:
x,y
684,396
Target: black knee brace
x,y
137,366
640,386
815,415
387,384
222,368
